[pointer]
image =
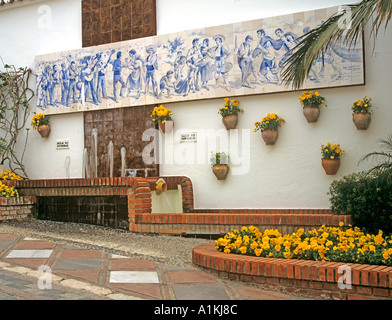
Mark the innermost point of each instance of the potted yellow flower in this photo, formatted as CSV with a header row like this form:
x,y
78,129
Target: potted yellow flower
x,y
311,102
220,166
362,113
269,127
162,115
331,158
229,113
40,122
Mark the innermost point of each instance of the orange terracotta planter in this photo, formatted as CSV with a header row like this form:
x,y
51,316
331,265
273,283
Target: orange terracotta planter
x,y
44,130
330,166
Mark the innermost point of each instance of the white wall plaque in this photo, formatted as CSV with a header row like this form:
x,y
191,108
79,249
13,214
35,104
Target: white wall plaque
x,y
62,144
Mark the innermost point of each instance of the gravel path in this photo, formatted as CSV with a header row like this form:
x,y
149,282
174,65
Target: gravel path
x,y
173,250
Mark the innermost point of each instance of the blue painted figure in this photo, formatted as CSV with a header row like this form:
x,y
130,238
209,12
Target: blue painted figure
x,y
117,67
43,88
194,54
181,76
167,84
64,83
222,67
101,82
205,67
87,76
72,77
151,67
54,81
135,78
245,61
269,63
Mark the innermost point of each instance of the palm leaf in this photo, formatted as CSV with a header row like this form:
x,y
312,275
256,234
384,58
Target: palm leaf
x,y
385,157
315,43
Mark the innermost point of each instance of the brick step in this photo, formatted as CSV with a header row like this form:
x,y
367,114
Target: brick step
x,y
213,224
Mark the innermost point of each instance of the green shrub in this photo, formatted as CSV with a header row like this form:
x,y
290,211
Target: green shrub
x,y
365,196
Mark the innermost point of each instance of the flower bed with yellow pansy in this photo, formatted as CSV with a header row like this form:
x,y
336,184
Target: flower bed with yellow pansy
x,y
333,244
6,191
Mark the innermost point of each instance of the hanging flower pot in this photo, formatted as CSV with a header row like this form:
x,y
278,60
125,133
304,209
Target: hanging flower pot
x,y
331,158
330,166
229,113
220,167
44,130
166,125
230,121
221,171
311,102
162,115
40,122
361,120
311,113
269,136
362,113
269,128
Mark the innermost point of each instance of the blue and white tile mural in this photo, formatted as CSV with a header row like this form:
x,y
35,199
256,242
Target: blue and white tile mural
x,y
230,60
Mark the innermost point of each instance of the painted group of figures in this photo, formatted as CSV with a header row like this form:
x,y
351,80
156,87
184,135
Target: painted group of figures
x,y
85,81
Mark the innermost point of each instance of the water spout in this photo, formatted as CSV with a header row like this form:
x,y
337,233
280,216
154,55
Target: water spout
x,y
110,156
67,164
123,164
160,186
94,153
85,168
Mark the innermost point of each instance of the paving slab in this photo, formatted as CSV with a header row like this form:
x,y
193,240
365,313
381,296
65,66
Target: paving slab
x,y
133,277
196,292
77,264
29,254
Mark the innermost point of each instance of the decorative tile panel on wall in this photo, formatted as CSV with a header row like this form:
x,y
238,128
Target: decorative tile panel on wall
x,y
107,21
237,59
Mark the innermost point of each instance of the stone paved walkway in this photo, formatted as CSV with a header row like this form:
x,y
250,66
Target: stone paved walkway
x,y
90,274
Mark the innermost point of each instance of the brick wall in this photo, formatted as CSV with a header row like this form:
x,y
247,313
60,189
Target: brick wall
x,y
312,278
17,209
107,21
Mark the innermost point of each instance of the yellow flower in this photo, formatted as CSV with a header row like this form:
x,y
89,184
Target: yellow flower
x,y
243,249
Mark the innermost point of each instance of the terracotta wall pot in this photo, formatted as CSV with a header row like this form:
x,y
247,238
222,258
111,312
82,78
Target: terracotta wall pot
x,y
230,121
311,113
167,126
269,136
221,171
361,120
330,166
44,130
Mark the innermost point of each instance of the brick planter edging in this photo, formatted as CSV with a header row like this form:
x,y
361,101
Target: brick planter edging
x,y
314,278
18,209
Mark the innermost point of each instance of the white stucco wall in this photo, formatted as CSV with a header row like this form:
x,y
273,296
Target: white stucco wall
x,y
286,175
39,27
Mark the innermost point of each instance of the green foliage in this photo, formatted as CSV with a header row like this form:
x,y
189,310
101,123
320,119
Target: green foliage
x,y
385,156
367,197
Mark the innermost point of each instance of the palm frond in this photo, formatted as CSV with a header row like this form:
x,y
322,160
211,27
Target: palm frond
x,y
315,43
384,157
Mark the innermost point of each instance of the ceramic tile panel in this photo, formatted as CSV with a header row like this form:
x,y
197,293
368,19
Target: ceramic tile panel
x,y
243,58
